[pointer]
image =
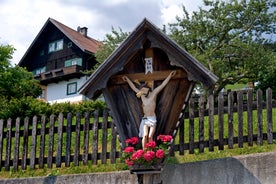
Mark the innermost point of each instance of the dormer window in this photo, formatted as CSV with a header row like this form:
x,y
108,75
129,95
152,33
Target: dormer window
x,y
55,46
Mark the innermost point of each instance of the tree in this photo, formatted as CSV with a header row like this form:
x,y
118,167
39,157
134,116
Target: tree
x,y
110,43
6,52
229,38
15,81
267,77
17,85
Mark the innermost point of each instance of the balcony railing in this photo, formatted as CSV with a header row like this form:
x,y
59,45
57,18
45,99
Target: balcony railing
x,y
59,74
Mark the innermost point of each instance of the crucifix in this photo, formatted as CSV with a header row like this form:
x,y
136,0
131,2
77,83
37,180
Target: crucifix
x,y
148,94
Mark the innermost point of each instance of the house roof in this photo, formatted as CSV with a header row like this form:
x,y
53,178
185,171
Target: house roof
x,y
85,43
116,61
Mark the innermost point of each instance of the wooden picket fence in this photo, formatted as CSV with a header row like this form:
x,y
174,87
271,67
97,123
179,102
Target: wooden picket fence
x,y
68,140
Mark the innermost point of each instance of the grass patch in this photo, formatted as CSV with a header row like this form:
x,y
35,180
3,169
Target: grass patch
x,y
177,159
216,154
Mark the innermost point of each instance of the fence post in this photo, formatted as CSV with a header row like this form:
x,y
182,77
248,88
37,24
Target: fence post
x,y
77,139
68,139
230,121
201,123
60,138
33,145
211,121
8,145
269,116
113,144
240,118
95,138
16,144
220,121
250,117
181,134
42,142
104,136
192,127
260,117
51,142
25,143
86,138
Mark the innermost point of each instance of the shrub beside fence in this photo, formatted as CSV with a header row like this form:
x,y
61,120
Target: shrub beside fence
x,y
70,140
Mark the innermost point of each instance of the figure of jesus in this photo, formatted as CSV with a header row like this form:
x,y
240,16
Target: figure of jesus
x,y
148,124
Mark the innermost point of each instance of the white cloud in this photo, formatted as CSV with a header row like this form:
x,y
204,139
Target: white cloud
x,y
169,13
21,20
171,9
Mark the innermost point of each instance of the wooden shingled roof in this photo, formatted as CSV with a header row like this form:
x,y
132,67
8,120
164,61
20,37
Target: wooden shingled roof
x,y
116,61
147,41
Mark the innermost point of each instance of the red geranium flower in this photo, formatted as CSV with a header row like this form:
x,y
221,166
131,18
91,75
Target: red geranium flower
x,y
138,154
129,149
149,155
129,162
152,153
151,144
164,138
133,140
160,153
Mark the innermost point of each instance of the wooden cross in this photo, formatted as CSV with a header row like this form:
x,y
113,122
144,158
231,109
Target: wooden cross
x,y
150,75
149,61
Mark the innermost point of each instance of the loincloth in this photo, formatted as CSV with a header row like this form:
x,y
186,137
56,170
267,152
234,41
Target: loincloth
x,y
149,121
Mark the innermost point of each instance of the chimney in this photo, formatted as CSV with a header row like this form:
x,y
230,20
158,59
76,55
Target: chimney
x,y
82,30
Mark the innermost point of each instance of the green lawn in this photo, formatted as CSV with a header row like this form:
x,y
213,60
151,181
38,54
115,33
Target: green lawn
x,y
120,166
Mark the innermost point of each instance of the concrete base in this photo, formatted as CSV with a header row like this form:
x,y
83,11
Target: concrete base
x,y
249,169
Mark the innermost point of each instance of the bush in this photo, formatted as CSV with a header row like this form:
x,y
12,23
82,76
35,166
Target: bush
x,y
23,107
91,106
29,107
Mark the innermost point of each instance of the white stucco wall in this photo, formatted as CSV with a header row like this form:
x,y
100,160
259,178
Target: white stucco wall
x,y
57,92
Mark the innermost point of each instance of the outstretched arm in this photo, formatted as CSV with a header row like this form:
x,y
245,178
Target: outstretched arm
x,y
130,83
164,83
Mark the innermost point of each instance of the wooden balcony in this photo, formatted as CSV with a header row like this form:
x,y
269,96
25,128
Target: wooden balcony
x,y
60,74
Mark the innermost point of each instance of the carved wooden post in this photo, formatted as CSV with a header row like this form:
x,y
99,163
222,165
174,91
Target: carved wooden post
x,y
152,179
148,177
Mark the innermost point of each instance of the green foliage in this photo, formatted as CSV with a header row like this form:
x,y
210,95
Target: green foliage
x,y
91,106
266,78
64,108
22,107
29,106
18,88
16,82
6,52
110,43
228,37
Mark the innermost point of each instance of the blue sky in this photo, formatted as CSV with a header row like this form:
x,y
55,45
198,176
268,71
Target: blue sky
x,y
21,20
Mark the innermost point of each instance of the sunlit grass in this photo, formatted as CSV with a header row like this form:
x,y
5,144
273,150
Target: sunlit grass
x,y
216,154
177,159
